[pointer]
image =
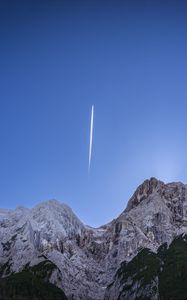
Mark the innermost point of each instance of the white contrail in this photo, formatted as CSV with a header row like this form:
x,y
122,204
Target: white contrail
x,y
91,137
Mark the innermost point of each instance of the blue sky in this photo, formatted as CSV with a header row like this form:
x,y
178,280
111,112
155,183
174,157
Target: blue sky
x,y
57,58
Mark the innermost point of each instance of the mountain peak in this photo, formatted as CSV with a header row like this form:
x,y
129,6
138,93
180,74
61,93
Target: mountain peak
x,y
88,258
53,204
143,191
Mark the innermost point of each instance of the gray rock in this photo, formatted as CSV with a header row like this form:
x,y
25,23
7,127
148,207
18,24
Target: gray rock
x,y
87,257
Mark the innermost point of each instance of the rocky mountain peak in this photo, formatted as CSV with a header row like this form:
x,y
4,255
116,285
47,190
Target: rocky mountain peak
x,y
52,204
89,257
143,191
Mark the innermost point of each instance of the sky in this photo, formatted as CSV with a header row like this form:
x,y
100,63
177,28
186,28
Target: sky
x,y
57,59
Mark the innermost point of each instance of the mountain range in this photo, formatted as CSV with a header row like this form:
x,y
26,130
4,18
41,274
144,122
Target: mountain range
x,y
47,253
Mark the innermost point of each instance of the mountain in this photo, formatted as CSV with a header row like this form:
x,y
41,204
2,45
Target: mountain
x,y
161,275
30,284
89,262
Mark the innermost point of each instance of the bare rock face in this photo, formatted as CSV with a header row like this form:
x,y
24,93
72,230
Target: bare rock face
x,y
88,258
144,191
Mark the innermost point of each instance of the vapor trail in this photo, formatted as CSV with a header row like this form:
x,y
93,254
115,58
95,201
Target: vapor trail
x,y
91,137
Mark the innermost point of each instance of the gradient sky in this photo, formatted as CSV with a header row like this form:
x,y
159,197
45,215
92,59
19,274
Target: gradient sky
x,y
57,58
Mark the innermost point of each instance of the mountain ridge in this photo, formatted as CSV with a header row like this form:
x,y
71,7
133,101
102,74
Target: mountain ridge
x,y
87,257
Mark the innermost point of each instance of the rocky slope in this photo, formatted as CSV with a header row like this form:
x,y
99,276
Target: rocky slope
x,y
32,283
88,258
149,275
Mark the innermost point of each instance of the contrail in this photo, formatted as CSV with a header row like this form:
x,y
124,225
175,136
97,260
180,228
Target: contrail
x,y
91,137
